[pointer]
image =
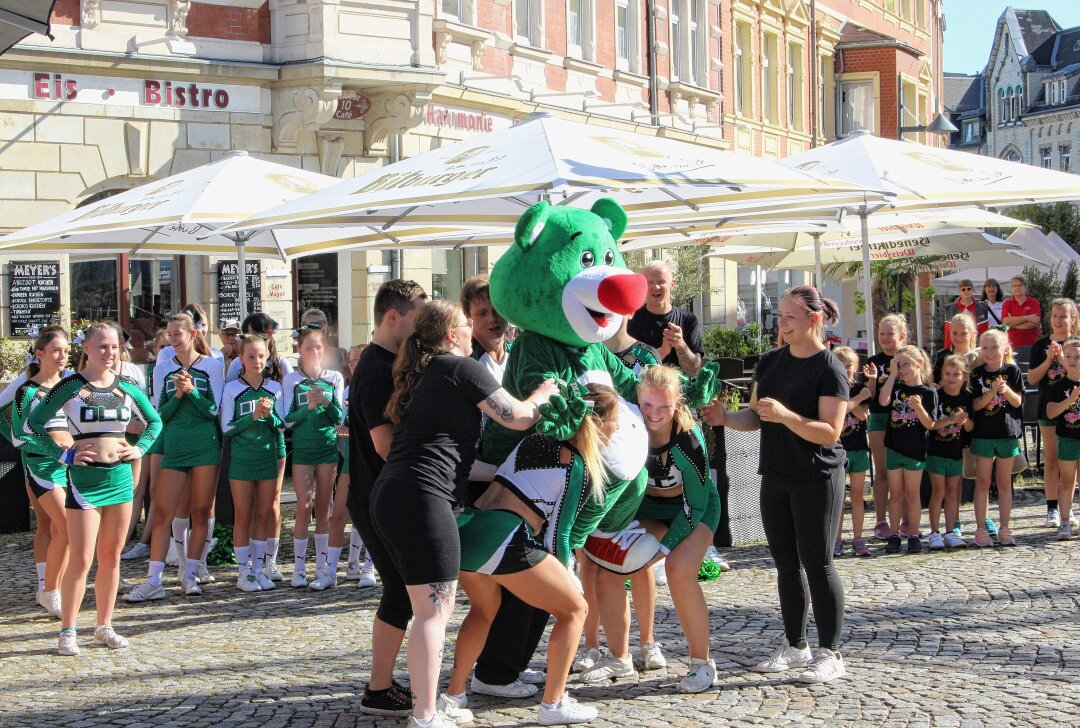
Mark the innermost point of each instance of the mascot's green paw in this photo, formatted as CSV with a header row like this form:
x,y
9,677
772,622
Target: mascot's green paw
x,y
561,416
701,389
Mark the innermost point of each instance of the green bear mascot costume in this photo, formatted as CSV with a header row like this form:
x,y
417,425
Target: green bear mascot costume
x,y
565,284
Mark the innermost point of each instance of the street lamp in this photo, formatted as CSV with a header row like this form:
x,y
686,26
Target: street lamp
x,y
939,125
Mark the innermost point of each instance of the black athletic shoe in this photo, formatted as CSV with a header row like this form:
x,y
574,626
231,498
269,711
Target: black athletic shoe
x,y
914,545
393,701
892,545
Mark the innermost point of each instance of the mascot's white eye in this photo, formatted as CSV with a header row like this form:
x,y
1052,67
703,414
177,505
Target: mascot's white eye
x,y
588,259
609,257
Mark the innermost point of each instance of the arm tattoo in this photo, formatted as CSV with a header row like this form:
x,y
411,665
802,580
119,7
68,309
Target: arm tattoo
x,y
500,403
442,594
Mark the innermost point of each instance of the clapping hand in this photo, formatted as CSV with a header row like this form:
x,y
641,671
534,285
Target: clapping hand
x,y
870,371
262,408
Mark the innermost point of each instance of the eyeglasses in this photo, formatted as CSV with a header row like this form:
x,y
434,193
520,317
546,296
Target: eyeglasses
x,y
467,325
967,289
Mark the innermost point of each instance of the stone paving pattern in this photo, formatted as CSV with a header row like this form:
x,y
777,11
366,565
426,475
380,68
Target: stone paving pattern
x,y
966,639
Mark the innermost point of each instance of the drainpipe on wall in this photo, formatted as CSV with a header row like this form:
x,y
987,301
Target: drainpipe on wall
x,y
814,111
395,156
650,40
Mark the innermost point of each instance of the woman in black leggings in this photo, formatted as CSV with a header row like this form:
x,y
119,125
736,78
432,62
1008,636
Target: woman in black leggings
x,y
439,393
798,404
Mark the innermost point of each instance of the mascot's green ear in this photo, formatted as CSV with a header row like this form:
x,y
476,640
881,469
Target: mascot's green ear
x,y
530,225
612,213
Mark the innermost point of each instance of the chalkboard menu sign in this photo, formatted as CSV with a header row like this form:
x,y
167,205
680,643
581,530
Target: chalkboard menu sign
x,y
34,295
229,289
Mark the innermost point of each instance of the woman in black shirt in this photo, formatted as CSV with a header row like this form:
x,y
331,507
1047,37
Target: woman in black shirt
x,y
439,393
798,403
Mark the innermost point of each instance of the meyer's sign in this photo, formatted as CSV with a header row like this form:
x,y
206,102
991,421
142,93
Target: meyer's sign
x,y
63,88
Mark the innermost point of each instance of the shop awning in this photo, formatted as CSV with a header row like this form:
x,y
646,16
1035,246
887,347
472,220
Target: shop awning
x,y
20,18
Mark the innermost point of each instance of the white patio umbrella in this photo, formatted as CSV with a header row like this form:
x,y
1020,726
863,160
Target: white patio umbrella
x,y
20,18
1045,249
920,176
171,216
489,180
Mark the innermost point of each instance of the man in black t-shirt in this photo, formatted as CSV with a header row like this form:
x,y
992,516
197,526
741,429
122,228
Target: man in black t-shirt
x,y
370,389
674,332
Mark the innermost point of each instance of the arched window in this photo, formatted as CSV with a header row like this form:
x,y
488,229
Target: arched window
x,y
1003,109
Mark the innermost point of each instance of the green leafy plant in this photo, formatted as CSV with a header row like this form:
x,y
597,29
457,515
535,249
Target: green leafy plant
x,y
1043,286
1071,282
222,554
724,342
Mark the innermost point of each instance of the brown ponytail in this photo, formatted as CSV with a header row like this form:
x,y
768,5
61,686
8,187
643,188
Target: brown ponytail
x,y
433,322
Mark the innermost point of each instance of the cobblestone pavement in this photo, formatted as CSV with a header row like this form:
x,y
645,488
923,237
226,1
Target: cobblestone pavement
x,y
972,638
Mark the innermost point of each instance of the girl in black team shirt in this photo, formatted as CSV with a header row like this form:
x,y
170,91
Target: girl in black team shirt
x,y
892,333
798,402
998,388
1063,405
945,455
853,440
912,406
1047,368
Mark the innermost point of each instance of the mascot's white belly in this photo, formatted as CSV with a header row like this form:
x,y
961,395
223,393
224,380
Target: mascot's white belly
x,y
625,455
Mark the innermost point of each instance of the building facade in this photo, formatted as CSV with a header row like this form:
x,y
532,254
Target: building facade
x,y
135,90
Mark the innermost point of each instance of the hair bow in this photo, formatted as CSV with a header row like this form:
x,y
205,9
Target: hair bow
x,y
306,327
79,338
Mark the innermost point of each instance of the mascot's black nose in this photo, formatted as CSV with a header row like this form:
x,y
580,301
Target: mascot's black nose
x,y
623,292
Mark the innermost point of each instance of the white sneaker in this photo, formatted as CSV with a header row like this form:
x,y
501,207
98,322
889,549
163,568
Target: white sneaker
x,y
190,587
516,689
105,635
533,677
125,586
50,602
826,665
248,583
299,578
172,558
1064,534
953,540
69,644
785,658
145,592
352,570
203,575
566,712
437,721
714,556
1053,518
609,668
367,578
660,572
701,677
325,578
1073,521
935,542
454,708
135,551
266,582
273,573
586,658
652,657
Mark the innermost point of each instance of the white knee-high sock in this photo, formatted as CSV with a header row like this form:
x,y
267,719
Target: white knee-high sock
x,y
243,554
258,556
272,545
333,556
356,544
209,537
300,553
180,534
322,543
40,567
153,574
190,567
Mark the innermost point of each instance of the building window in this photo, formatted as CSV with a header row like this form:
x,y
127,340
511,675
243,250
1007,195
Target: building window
x,y
677,62
622,35
453,8
920,13
1017,101
741,50
317,286
1065,157
528,22
575,28
1002,112
1047,157
971,132
1064,92
1052,93
770,78
795,86
857,107
697,43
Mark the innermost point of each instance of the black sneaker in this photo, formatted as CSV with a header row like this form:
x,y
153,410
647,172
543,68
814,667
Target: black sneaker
x,y
892,545
914,545
393,701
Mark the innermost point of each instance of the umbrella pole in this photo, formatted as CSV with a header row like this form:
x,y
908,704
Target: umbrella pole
x,y
757,307
817,260
918,311
864,223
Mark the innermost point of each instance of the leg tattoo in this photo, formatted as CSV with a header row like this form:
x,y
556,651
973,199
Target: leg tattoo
x,y
442,593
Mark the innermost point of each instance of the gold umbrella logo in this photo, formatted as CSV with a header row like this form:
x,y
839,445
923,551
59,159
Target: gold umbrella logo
x,y
629,146
467,155
937,162
293,183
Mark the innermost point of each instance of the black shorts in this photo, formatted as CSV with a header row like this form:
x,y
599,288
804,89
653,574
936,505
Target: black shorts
x,y
419,531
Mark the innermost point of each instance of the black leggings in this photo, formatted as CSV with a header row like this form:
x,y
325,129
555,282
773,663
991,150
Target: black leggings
x,y
800,519
395,609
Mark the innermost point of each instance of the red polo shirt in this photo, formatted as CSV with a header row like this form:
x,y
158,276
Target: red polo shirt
x,y
1030,307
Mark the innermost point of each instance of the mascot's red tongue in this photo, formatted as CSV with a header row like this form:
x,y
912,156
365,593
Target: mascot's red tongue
x,y
623,293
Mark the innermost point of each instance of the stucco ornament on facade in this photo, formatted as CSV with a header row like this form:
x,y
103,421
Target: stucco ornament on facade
x,y
178,12
302,109
393,114
90,14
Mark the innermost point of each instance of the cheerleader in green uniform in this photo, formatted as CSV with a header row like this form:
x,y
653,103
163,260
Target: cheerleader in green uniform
x,y
188,388
312,403
45,477
98,405
250,419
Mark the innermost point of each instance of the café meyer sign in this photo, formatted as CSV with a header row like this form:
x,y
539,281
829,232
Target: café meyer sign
x,y
33,295
229,289
63,88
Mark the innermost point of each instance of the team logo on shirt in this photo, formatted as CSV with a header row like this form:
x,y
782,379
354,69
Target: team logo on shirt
x,y
851,424
1055,373
104,414
246,408
201,384
997,404
1072,415
903,414
952,432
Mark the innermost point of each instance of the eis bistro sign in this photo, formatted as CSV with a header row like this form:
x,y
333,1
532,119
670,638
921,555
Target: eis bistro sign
x,y
63,88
